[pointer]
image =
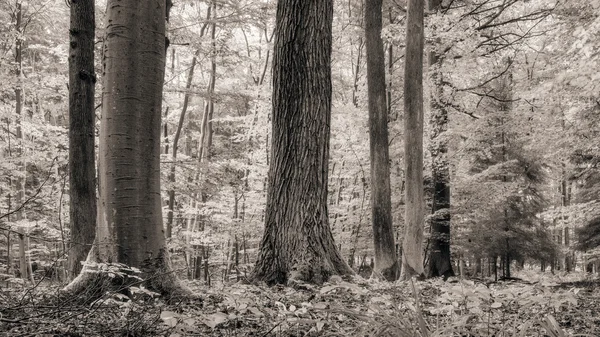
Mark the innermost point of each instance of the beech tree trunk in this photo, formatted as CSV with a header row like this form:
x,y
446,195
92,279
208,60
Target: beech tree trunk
x,y
439,248
82,161
386,262
297,243
412,248
130,228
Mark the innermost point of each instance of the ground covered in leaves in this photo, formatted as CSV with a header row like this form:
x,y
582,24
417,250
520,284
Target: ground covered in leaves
x,y
536,305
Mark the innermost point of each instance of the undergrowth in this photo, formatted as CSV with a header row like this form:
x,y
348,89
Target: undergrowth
x,y
539,307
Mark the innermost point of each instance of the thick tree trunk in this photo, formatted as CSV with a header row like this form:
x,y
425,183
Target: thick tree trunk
x,y
297,243
412,251
386,262
439,249
82,161
130,228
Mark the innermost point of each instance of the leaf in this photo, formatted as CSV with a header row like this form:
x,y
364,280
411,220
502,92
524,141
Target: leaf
x,y
380,299
327,289
215,319
256,312
169,317
320,325
496,305
189,321
552,328
525,327
320,305
280,306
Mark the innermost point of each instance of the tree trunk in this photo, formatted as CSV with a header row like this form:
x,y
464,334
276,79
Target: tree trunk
x,y
19,181
412,251
186,100
439,250
297,243
390,55
130,230
82,160
386,262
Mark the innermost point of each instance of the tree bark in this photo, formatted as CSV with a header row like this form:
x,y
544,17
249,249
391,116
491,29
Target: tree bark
x,y
186,100
412,251
297,243
439,249
130,229
82,161
19,181
386,262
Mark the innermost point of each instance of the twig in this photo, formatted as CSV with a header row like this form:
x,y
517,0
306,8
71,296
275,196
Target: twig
x,y
34,196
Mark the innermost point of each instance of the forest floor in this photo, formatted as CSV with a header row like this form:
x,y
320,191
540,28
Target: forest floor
x,y
535,305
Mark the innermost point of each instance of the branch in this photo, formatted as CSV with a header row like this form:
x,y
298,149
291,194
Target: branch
x,y
460,109
484,83
542,14
34,196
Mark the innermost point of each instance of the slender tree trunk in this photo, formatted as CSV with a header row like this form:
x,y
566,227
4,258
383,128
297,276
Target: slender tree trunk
x,y
386,262
82,160
439,250
356,65
130,228
390,55
297,243
412,251
166,131
186,100
19,181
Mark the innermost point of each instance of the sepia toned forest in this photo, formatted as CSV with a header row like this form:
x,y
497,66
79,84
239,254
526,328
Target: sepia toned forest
x,y
299,167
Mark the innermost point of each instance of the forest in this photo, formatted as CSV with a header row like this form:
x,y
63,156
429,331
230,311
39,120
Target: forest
x,y
300,168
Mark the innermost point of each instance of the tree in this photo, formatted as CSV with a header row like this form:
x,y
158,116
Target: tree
x,y
386,262
412,252
82,161
130,229
439,243
297,243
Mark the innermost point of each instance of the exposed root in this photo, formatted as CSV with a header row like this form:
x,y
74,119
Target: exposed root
x,y
96,280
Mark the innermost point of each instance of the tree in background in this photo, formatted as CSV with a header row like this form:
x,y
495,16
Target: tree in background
x,y
297,243
412,252
130,230
82,167
502,187
439,263
386,262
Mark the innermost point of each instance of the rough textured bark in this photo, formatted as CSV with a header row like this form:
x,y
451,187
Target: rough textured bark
x,y
130,228
82,162
412,251
297,243
439,249
386,262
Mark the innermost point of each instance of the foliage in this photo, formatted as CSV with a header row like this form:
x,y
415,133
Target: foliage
x,y
431,308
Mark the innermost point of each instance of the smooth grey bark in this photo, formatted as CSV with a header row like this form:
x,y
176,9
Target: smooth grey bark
x,y
297,243
386,262
130,228
82,161
412,251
